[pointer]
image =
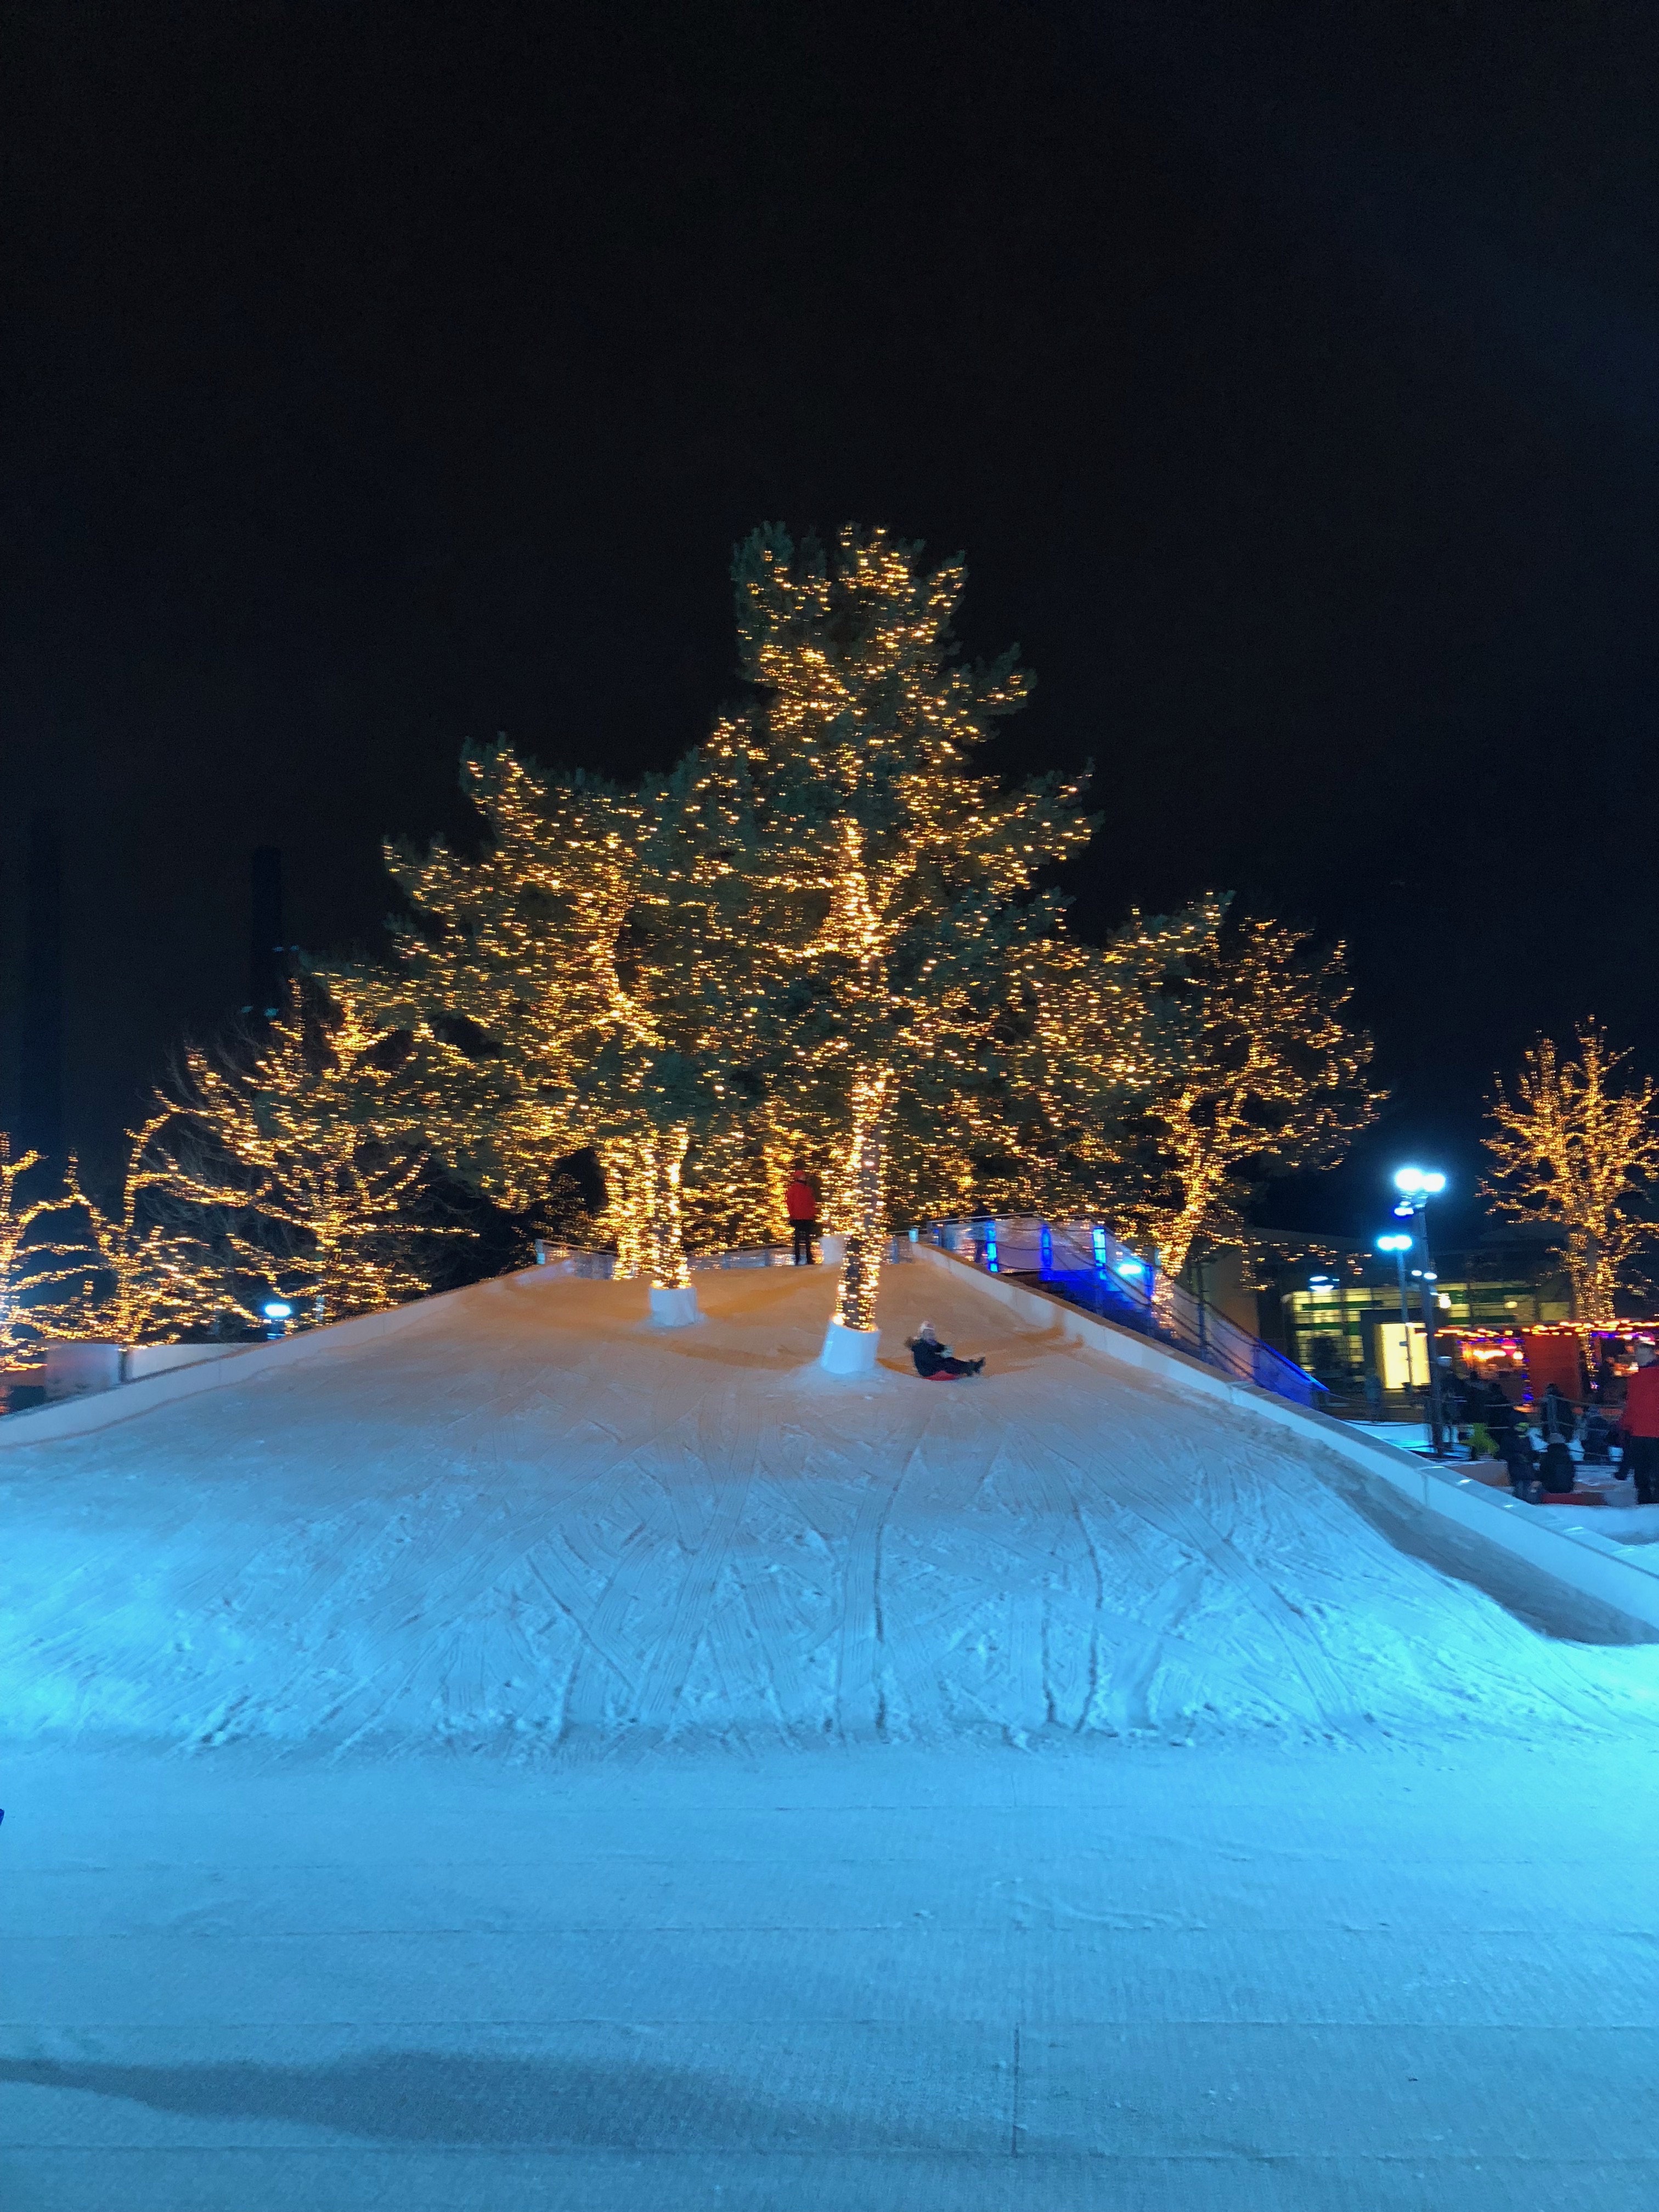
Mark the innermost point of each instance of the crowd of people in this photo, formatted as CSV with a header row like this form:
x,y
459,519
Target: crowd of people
x,y
1535,1445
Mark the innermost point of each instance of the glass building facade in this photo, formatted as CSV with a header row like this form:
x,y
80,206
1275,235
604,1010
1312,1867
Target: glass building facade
x,y
1335,1309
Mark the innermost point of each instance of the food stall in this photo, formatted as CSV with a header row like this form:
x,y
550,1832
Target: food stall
x,y
1583,1363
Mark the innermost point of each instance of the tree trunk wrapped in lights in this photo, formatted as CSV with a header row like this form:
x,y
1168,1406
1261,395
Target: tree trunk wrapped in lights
x,y
860,1202
626,1216
665,1151
1573,1150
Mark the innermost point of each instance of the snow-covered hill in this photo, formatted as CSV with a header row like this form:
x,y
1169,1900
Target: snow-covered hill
x,y
526,1519
841,1859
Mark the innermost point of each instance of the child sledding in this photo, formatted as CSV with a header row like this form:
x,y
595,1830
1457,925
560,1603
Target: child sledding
x,y
933,1361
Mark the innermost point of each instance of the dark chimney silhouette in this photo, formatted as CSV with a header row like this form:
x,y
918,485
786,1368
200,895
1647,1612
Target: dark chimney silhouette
x,y
267,969
40,1053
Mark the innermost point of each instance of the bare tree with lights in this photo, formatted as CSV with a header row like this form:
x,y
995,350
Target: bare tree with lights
x,y
18,1332
288,1140
1262,1074
143,1270
1572,1148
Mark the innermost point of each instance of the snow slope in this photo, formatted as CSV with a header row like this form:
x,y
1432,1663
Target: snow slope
x,y
527,1519
1036,1796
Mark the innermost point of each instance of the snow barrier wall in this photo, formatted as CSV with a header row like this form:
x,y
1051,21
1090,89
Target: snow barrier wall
x,y
216,1370
1547,1537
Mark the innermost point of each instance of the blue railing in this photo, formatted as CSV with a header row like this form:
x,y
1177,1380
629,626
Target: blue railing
x,y
1087,1266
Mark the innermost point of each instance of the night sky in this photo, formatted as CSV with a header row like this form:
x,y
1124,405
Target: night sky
x,y
379,376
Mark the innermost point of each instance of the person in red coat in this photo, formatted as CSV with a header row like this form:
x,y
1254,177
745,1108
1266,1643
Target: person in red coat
x,y
802,1201
1639,1423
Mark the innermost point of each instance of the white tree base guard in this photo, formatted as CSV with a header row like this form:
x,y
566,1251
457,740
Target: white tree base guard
x,y
850,1350
832,1250
674,1308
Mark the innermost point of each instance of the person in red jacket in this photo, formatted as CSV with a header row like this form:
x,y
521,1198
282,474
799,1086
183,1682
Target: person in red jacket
x,y
1639,1423
802,1200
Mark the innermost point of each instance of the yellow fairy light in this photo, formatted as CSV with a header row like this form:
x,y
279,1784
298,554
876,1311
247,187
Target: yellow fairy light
x,y
888,884
142,1271
1253,1069
17,1216
820,942
1571,1150
291,1142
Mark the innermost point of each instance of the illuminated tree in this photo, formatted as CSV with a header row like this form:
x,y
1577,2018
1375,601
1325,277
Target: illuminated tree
x,y
506,976
1572,1149
708,925
143,1270
1100,1040
1258,1073
822,940
564,989
17,1216
289,1140
888,888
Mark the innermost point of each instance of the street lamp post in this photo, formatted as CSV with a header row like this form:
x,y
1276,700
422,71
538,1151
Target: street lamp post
x,y
1400,1245
1417,1189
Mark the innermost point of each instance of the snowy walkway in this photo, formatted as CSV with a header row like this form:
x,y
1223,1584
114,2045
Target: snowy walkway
x,y
647,1774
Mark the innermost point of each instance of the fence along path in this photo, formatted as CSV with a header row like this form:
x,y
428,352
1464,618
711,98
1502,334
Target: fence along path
x,y
1085,1264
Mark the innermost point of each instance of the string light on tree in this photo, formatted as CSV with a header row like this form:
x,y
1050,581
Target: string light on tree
x,y
142,1270
18,1333
889,882
287,1139
1572,1148
1261,1075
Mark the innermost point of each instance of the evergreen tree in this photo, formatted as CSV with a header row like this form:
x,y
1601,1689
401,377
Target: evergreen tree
x,y
1102,1041
506,981
890,888
566,988
718,958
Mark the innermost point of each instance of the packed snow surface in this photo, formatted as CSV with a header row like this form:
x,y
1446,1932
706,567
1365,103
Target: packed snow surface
x,y
531,1763
528,1518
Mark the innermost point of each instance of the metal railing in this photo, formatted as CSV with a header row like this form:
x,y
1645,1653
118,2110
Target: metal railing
x,y
1087,1266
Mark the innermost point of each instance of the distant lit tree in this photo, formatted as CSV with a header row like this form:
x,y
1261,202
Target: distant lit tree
x,y
1572,1148
17,1216
286,1138
1259,1073
141,1271
1100,1041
